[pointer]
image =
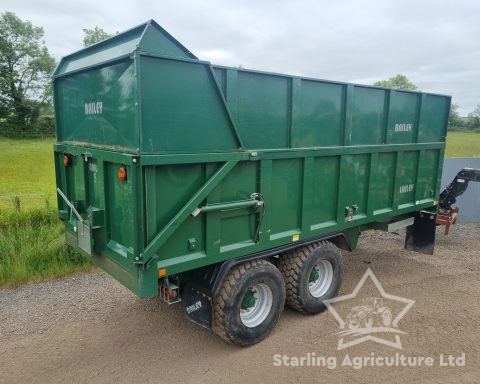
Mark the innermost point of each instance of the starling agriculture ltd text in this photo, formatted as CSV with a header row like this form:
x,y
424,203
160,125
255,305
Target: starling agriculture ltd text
x,y
358,362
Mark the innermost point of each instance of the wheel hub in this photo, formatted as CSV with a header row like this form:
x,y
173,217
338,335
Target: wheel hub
x,y
256,305
314,275
321,278
249,300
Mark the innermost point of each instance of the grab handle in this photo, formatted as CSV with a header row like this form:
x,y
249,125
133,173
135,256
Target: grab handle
x,y
72,207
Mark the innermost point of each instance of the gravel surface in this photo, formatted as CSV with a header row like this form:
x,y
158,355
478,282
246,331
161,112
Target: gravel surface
x,y
88,328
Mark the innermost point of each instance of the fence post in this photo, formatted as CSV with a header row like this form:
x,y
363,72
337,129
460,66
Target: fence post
x,y
17,203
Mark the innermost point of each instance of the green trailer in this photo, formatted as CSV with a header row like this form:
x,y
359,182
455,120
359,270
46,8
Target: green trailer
x,y
232,189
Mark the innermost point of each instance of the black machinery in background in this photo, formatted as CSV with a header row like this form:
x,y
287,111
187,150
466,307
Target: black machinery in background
x,y
447,215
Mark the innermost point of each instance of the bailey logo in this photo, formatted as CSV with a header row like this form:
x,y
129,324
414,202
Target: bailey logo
x,y
95,108
369,317
406,188
403,127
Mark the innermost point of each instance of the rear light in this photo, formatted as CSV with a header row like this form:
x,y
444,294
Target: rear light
x,y
122,174
66,160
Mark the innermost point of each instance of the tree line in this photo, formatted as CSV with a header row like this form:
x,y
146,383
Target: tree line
x,y
26,67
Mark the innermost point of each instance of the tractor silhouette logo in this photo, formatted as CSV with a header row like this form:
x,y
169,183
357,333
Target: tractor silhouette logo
x,y
373,318
371,313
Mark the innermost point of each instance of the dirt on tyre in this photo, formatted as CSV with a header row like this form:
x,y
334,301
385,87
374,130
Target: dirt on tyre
x,y
312,274
249,303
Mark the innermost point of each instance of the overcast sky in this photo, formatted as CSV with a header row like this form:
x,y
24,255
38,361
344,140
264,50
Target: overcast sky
x,y
436,44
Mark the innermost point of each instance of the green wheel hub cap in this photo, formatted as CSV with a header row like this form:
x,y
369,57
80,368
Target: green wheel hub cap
x,y
256,305
321,278
314,275
249,300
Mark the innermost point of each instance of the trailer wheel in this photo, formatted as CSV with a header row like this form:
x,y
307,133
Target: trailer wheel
x,y
312,273
248,303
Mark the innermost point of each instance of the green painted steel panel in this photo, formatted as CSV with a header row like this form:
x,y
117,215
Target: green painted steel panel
x,y
98,107
434,118
191,135
382,188
231,190
403,113
354,184
368,116
167,189
321,210
427,169
318,119
182,109
221,76
286,198
119,209
406,178
262,103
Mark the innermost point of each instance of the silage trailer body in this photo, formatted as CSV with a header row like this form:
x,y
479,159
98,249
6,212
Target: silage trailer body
x,y
166,163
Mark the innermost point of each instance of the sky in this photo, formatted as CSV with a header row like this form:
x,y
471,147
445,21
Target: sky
x,y
436,44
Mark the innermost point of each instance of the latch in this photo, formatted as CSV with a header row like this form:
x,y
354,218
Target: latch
x,y
350,211
86,156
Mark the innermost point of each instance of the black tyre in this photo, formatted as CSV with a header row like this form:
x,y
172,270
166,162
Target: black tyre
x,y
312,273
249,303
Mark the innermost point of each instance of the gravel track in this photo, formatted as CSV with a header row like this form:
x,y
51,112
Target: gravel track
x,y
88,328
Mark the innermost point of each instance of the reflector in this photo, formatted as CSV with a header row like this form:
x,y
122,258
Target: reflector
x,y
122,174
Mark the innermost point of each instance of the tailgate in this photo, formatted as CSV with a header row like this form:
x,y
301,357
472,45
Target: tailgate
x,y
96,200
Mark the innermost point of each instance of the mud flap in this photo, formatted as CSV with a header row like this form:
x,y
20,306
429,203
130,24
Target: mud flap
x,y
198,306
421,235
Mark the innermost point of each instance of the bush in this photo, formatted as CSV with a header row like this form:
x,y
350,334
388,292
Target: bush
x,y
45,126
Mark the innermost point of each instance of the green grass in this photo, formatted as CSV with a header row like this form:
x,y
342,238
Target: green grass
x,y
27,171
32,247
463,144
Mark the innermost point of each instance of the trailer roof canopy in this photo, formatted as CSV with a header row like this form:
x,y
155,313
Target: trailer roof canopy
x,y
147,37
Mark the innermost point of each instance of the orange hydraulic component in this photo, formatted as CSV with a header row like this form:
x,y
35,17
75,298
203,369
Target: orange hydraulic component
x,y
447,219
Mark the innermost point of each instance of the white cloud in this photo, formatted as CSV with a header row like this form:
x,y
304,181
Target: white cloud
x,y
215,55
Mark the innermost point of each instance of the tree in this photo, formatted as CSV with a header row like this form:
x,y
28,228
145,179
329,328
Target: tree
x,y
25,70
93,36
454,118
397,82
475,117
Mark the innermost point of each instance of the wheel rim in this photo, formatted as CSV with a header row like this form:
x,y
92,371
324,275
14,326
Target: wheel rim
x,y
321,278
256,305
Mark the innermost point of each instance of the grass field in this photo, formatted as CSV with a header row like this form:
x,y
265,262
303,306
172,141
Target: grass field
x,y
463,144
31,241
27,172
